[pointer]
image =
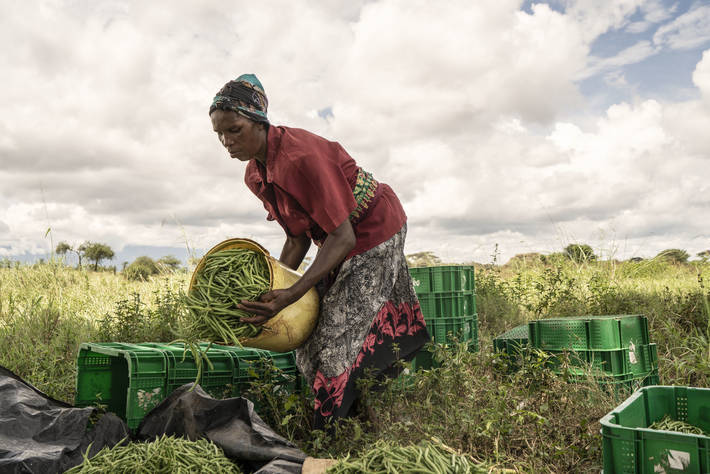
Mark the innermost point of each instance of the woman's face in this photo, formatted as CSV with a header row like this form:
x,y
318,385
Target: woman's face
x,y
244,139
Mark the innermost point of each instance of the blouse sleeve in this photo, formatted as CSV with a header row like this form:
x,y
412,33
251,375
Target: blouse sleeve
x,y
319,184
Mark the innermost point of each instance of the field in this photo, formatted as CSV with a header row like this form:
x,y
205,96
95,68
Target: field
x,y
530,421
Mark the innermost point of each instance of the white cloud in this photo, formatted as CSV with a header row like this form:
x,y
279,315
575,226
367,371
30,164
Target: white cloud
x,y
701,75
596,18
654,12
689,30
631,55
463,107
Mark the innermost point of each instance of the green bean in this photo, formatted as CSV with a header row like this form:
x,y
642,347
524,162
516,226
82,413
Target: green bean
x,y
425,457
164,455
668,424
226,278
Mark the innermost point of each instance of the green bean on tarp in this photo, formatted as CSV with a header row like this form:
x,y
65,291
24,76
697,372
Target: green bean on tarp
x,y
425,457
225,279
164,455
669,424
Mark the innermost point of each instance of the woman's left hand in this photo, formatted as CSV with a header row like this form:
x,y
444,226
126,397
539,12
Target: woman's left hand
x,y
267,307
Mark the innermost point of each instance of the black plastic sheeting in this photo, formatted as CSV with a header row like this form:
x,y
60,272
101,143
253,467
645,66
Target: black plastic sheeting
x,y
232,424
41,435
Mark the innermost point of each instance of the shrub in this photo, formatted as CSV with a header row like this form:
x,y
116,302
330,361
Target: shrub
x,y
674,255
580,253
141,268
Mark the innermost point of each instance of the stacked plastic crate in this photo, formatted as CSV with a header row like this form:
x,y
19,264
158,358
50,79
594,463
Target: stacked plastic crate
x,y
131,379
615,348
630,445
448,301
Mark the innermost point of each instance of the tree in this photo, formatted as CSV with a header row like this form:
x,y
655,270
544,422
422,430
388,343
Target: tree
x,y
169,263
523,259
422,259
96,252
705,255
580,253
141,268
63,248
674,255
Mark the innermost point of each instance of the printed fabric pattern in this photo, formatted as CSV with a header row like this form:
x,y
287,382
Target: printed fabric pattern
x,y
370,307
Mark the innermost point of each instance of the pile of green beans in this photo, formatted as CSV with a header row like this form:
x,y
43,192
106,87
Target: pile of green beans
x,y
227,278
165,455
669,424
426,457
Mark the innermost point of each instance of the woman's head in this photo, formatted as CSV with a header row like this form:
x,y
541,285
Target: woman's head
x,y
245,95
238,114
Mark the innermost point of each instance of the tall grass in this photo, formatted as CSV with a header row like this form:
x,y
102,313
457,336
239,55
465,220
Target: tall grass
x,y
48,310
531,420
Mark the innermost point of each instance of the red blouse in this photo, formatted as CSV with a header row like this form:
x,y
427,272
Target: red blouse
x,y
307,186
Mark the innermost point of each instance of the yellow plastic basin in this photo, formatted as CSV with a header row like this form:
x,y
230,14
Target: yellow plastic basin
x,y
291,327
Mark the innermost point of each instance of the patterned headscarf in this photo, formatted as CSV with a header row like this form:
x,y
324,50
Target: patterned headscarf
x,y
244,95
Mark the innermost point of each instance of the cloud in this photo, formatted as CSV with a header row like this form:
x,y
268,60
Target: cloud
x,y
654,12
596,18
701,75
631,55
470,110
687,31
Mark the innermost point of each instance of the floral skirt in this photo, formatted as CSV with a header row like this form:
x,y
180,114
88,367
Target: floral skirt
x,y
369,319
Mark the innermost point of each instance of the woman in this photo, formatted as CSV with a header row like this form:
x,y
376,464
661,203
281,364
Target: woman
x,y
369,316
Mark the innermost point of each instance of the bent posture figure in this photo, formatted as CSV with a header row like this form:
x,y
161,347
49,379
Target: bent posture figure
x,y
369,314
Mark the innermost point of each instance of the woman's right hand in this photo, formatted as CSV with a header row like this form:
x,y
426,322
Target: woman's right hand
x,y
268,306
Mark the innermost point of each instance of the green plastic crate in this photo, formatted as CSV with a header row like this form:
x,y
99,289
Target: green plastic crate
x,y
445,331
128,380
621,386
512,342
589,332
447,304
252,364
452,278
218,380
634,361
131,379
473,344
629,446
421,279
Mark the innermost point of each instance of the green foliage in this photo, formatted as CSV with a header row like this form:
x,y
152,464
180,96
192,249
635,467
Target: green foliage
x,y
141,268
580,253
168,263
62,248
40,343
135,321
96,252
677,256
532,420
422,259
522,260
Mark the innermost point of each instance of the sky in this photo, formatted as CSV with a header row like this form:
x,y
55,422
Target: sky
x,y
504,126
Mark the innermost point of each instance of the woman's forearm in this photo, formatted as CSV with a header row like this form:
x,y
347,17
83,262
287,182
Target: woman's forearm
x,y
294,250
336,247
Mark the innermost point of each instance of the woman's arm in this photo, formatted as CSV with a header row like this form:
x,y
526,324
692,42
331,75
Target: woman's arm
x,y
295,249
335,248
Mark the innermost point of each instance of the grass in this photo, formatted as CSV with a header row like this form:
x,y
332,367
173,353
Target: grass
x,y
530,421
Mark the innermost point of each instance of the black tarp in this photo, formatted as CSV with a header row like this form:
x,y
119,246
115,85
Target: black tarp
x,y
41,435
232,424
